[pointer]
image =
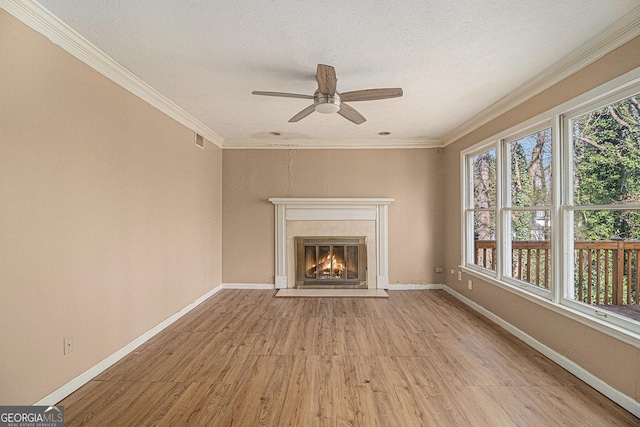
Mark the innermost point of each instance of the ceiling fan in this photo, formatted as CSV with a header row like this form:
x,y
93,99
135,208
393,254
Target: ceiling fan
x,y
327,100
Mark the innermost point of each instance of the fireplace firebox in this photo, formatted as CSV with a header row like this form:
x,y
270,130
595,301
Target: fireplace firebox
x,y
331,262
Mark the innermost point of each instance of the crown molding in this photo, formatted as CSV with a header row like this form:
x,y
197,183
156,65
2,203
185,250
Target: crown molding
x,y
613,37
316,144
41,20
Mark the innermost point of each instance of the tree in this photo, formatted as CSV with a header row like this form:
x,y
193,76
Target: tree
x,y
531,185
606,156
484,194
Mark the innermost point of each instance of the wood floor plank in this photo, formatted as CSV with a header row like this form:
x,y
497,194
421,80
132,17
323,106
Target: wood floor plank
x,y
480,409
201,404
263,391
310,398
393,337
417,358
428,393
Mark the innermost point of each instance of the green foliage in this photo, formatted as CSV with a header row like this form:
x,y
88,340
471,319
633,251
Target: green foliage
x,y
606,155
530,170
484,178
484,194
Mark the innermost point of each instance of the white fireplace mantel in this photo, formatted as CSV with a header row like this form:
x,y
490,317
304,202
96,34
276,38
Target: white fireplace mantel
x,y
332,209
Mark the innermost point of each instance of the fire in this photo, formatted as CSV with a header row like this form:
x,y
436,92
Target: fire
x,y
327,265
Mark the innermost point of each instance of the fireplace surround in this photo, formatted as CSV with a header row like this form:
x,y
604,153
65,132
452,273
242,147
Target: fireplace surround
x,y
334,217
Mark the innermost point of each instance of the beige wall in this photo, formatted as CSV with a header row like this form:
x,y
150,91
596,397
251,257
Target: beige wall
x,y
616,363
110,216
412,177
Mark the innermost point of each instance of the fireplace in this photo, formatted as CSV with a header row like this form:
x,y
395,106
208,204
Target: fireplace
x,y
321,217
331,262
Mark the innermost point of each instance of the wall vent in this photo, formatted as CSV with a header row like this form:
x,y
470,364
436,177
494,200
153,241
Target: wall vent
x,y
200,141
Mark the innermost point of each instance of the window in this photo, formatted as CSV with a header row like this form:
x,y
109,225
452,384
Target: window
x,y
551,207
603,206
482,214
528,207
519,209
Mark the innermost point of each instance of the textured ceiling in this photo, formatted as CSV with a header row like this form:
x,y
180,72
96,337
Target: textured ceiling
x,y
452,58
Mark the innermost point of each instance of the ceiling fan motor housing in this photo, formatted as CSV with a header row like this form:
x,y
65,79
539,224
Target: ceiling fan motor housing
x,y
325,103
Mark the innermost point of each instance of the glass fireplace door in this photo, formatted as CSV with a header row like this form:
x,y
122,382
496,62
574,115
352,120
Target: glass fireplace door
x,y
331,262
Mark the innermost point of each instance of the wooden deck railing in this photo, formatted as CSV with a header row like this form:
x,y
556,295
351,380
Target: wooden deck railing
x,y
606,272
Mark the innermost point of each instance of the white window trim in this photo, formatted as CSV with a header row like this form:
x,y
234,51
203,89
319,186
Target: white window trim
x,y
507,207
568,208
613,325
468,250
503,243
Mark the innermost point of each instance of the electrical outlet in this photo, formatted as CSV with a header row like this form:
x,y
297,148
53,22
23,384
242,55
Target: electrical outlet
x,y
439,270
68,344
459,275
470,284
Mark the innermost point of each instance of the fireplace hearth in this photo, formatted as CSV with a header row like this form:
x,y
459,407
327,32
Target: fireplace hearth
x,y
331,262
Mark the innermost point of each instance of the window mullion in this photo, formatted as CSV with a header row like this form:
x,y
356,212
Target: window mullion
x,y
503,242
469,255
559,235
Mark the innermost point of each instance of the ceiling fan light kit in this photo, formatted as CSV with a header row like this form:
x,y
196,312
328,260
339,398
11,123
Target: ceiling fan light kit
x,y
326,104
327,100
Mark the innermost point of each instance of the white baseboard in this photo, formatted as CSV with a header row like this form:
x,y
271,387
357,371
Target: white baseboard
x,y
73,385
620,398
410,287
259,286
390,287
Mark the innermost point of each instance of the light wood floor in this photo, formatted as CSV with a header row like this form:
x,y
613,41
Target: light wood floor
x,y
419,358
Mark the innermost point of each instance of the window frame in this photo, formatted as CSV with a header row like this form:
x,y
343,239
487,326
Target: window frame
x,y
557,298
507,206
470,209
503,208
568,208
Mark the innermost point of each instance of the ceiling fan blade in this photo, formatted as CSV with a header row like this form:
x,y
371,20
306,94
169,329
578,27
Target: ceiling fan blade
x,y
351,114
326,76
370,94
302,114
282,94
